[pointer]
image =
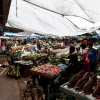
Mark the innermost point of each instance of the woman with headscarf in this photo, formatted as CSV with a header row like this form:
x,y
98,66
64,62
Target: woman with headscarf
x,y
85,62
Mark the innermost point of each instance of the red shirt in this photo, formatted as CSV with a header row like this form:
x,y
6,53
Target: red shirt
x,y
3,43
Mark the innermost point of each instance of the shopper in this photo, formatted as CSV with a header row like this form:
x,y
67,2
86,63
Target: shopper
x,y
38,45
84,60
3,45
33,48
85,41
47,45
16,43
19,42
65,40
92,57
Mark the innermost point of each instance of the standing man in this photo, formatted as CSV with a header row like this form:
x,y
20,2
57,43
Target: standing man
x,y
92,54
3,45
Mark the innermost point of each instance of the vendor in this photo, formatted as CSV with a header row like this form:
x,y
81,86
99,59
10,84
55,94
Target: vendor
x,y
72,67
38,45
16,43
85,62
47,45
33,48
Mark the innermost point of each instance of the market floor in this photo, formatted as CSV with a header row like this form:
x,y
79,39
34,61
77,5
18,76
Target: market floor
x,y
10,88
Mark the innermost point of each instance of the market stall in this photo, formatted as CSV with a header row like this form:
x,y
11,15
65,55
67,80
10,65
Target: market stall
x,y
48,72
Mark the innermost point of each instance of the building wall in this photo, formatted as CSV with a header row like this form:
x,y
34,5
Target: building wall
x,y
4,11
6,7
1,12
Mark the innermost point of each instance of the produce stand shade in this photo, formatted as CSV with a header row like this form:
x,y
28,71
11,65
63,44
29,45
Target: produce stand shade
x,y
44,74
72,92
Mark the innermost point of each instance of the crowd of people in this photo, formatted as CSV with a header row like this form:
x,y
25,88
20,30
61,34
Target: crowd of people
x,y
89,56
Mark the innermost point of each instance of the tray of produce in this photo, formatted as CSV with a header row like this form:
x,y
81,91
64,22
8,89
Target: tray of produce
x,y
34,56
59,60
74,93
83,85
24,62
49,71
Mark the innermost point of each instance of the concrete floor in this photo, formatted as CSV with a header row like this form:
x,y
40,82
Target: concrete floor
x,y
10,88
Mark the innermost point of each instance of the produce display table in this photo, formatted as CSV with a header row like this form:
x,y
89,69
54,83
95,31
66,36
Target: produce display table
x,y
76,94
44,74
32,58
36,58
49,74
24,67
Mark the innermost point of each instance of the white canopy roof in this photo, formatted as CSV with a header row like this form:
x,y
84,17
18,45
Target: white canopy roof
x,y
98,32
57,17
25,33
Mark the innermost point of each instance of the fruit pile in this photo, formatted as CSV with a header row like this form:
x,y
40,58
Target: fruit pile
x,y
49,69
